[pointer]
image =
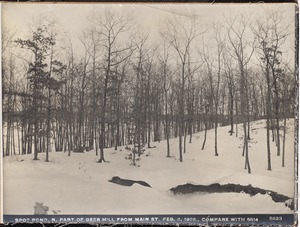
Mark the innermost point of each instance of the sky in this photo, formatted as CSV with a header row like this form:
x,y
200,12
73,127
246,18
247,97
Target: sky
x,y
72,18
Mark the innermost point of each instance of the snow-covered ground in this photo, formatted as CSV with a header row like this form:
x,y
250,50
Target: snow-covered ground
x,y
79,185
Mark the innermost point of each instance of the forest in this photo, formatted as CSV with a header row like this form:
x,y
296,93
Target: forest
x,y
123,85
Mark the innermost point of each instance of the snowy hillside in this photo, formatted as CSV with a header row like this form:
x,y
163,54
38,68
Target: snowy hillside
x,y
79,185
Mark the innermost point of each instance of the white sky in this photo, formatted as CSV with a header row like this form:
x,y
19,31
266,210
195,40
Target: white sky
x,y
72,17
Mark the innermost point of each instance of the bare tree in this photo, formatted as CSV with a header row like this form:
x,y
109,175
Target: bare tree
x,y
215,82
180,33
271,36
164,61
111,27
229,78
242,50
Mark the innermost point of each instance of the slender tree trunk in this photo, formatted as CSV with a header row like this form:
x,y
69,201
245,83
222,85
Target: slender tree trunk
x,y
184,141
216,131
103,112
247,106
283,142
236,118
244,103
35,139
117,138
48,125
167,117
205,130
49,109
95,134
268,117
181,111
8,135
231,102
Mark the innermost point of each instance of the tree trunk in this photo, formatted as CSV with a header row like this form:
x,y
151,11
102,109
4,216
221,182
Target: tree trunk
x,y
268,100
205,130
184,138
167,118
216,131
283,142
102,135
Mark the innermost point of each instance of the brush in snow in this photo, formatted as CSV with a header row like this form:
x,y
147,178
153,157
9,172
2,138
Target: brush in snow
x,y
82,149
236,188
40,209
127,182
79,150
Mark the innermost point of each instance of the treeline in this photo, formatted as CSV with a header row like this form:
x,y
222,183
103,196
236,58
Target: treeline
x,y
123,88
